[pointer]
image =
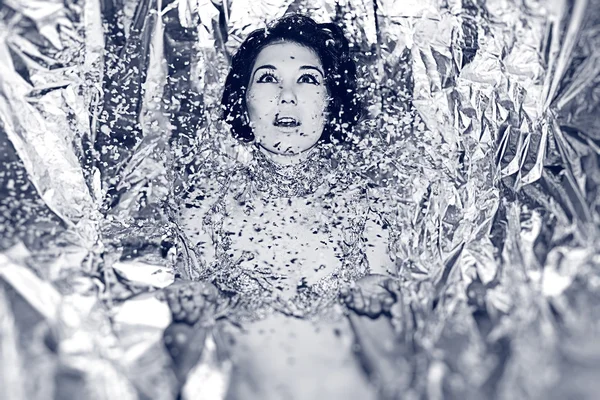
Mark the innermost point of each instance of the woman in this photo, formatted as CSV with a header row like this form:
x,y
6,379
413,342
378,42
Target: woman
x,y
282,235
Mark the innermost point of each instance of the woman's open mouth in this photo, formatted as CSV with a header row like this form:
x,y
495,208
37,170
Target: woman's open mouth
x,y
286,122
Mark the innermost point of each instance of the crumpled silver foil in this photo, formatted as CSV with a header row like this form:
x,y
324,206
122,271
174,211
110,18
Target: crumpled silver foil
x,y
482,133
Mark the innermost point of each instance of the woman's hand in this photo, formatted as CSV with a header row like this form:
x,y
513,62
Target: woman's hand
x,y
194,307
192,302
382,354
373,296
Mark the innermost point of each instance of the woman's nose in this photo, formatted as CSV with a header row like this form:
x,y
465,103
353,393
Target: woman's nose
x,y
287,95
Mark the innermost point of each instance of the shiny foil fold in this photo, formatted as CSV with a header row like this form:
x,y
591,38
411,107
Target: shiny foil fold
x,y
481,134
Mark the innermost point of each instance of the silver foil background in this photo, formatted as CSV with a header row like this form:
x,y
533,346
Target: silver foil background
x,y
482,129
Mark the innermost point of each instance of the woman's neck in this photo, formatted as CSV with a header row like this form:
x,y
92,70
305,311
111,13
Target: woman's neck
x,y
287,159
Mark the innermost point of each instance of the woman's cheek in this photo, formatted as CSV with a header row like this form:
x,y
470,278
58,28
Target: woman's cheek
x,y
259,95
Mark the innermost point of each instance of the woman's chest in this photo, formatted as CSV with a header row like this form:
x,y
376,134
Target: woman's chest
x,y
299,240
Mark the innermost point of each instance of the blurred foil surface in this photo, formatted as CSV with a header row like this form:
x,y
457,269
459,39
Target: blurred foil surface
x,y
484,111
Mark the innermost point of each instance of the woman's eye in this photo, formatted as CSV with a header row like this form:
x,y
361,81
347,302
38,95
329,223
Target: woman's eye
x,y
308,78
267,78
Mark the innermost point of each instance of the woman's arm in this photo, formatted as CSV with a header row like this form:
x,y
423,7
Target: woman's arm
x,y
372,297
375,300
381,352
194,304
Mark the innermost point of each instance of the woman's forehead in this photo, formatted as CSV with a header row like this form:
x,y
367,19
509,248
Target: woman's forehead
x,y
287,53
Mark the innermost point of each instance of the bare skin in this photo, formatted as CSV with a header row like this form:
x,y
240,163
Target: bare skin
x,y
375,300
287,82
280,356
194,308
192,302
373,296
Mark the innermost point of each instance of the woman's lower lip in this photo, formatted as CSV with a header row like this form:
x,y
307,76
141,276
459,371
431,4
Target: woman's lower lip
x,y
287,128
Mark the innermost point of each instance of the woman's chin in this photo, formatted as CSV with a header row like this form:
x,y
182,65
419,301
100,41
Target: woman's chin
x,y
283,150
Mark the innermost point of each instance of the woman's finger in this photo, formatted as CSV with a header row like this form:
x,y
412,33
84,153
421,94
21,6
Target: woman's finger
x,y
179,316
391,285
187,303
193,316
209,291
375,306
350,302
348,298
201,303
359,301
344,292
387,303
173,302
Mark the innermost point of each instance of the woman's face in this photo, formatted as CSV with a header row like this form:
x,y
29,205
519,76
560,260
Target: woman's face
x,y
287,98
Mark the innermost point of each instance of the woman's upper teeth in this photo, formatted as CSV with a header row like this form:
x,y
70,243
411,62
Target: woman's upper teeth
x,y
286,121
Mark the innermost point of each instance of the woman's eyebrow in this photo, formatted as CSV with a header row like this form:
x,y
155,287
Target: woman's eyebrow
x,y
266,66
312,67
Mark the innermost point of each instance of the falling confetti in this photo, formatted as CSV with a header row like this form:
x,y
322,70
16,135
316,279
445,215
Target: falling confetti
x,y
479,145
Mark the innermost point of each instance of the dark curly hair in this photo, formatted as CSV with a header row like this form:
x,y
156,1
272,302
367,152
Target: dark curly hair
x,y
328,42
